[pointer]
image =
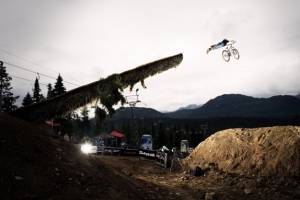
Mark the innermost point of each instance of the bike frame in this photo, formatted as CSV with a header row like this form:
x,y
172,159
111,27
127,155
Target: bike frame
x,y
229,48
230,51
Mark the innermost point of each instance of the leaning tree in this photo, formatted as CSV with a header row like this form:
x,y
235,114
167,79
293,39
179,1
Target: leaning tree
x,y
106,91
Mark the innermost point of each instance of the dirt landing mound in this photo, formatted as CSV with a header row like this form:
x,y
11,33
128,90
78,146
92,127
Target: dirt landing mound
x,y
260,151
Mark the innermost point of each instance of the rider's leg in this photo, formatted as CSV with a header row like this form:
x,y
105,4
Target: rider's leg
x,y
215,46
219,45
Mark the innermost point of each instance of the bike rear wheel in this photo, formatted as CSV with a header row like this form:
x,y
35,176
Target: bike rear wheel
x,y
235,53
226,55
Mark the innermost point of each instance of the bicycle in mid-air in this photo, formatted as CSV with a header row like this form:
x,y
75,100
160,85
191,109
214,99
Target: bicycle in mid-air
x,y
230,51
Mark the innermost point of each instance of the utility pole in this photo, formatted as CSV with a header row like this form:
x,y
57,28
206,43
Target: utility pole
x,y
1,88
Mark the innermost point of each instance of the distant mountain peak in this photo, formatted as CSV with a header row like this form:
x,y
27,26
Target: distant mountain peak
x,y
240,96
189,107
238,105
137,112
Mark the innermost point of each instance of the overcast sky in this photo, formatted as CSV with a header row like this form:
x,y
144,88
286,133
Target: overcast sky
x,y
85,40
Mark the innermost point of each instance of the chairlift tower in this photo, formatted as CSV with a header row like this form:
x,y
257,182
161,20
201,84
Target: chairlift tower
x,y
132,100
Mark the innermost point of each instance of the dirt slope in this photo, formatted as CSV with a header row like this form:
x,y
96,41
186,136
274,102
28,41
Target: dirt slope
x,y
35,165
214,184
260,151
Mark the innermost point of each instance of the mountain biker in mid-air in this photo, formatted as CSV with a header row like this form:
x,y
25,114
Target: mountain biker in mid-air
x,y
219,45
228,51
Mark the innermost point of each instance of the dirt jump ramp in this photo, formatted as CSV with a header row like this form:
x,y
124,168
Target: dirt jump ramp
x,y
269,151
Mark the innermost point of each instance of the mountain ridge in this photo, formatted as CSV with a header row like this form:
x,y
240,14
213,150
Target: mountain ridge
x,y
237,105
226,105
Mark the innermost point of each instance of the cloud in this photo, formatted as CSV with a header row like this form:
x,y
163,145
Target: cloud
x,y
86,40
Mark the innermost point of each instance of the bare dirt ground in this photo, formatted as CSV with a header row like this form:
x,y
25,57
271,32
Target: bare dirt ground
x,y
35,165
213,185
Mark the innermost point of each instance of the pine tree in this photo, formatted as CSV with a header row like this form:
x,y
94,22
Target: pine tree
x,y
50,91
37,96
7,100
59,87
85,123
27,100
85,114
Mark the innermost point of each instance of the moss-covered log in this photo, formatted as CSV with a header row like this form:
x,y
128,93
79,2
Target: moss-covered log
x,y
105,89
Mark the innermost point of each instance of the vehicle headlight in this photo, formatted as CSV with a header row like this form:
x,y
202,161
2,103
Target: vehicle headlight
x,y
86,148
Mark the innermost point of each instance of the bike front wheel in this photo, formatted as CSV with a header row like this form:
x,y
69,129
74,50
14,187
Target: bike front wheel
x,y
226,55
235,53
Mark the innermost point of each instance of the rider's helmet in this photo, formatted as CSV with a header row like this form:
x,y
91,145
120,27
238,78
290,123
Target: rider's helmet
x,y
225,41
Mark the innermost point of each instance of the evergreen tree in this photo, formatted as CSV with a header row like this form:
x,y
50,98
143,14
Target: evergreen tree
x,y
37,96
85,114
85,123
161,134
50,91
100,116
7,100
59,87
27,100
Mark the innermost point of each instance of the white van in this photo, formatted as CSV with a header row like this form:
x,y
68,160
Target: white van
x,y
146,142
